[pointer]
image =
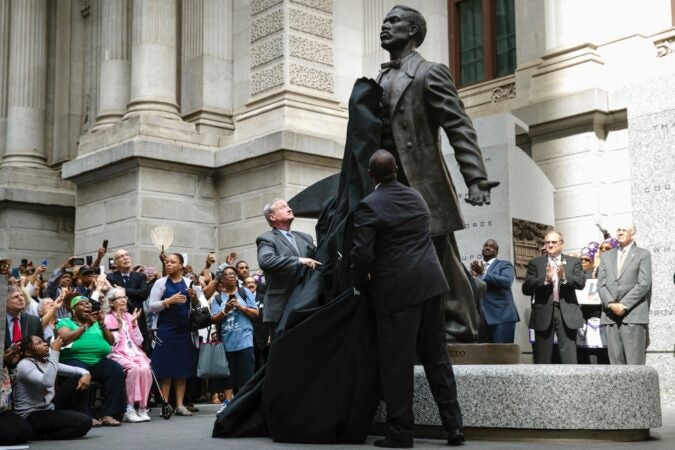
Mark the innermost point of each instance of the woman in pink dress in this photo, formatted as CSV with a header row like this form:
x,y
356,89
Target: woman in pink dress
x,y
127,353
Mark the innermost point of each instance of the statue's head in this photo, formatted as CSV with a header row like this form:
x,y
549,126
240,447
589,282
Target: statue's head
x,y
402,26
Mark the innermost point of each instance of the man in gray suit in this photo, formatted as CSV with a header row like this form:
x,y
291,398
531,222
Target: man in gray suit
x,y
284,256
625,288
419,98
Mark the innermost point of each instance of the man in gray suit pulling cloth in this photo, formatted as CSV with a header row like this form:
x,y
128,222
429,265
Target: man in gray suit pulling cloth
x,y
625,288
284,256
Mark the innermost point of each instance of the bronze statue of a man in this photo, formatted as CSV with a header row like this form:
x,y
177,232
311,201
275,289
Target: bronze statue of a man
x,y
419,97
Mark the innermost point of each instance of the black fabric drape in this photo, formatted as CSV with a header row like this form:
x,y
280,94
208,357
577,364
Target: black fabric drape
x,y
320,383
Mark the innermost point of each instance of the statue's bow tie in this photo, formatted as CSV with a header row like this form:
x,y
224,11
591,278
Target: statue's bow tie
x,y
393,64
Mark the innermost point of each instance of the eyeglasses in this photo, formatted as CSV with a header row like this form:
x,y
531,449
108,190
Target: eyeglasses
x,y
550,242
117,298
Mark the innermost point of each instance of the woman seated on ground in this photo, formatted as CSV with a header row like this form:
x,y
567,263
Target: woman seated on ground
x,y
233,308
14,429
91,341
174,357
53,414
128,354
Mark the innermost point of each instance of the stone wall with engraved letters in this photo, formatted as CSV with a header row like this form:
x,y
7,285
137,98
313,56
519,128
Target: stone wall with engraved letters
x,y
651,130
525,193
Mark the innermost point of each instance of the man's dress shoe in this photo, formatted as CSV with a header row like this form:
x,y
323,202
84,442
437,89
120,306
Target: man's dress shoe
x,y
394,442
456,438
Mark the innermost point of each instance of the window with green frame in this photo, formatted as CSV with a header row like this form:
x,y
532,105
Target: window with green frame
x,y
482,38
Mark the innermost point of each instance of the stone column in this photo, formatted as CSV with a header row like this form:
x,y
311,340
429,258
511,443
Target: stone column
x,y
4,63
115,69
206,64
27,84
153,59
292,47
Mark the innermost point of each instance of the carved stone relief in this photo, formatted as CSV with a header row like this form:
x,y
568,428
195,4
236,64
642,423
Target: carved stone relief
x,y
311,78
321,5
504,93
527,240
267,78
258,6
267,24
311,23
310,50
665,47
267,51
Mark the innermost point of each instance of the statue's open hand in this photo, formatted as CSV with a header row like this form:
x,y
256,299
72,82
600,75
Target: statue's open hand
x,y
479,193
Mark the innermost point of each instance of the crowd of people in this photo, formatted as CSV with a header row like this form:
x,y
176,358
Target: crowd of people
x,y
80,332
575,317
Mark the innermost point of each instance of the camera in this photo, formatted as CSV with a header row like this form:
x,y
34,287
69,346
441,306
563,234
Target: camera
x,y
95,306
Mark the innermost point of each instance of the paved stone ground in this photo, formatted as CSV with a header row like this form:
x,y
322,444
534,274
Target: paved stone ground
x,y
194,433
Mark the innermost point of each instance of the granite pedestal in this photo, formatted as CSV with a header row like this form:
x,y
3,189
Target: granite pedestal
x,y
548,402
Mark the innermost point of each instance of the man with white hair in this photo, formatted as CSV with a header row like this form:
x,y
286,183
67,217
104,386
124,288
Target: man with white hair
x,y
284,256
625,288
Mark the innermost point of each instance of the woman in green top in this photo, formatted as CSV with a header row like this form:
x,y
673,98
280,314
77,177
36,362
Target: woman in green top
x,y
87,342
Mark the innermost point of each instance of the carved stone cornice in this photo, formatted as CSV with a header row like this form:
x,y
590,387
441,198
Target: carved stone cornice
x,y
501,93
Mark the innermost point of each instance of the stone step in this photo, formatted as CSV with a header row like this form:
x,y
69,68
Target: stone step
x,y
525,402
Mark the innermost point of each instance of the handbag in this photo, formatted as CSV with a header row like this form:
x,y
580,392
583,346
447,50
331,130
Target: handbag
x,y
212,360
200,317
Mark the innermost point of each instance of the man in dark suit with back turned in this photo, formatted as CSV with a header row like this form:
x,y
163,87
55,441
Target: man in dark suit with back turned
x,y
552,281
419,98
394,261
135,286
284,256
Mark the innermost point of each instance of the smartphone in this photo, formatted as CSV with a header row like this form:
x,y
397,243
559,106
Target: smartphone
x,y
90,260
16,274
111,263
78,261
44,262
95,306
24,262
105,244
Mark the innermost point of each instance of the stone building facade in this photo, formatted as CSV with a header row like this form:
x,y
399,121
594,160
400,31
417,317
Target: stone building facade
x,y
120,115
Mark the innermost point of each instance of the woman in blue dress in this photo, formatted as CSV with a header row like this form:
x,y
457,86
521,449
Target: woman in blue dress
x,y
174,358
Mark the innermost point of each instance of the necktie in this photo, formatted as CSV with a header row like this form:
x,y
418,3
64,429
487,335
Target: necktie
x,y
291,239
485,269
125,279
393,64
622,257
556,294
16,331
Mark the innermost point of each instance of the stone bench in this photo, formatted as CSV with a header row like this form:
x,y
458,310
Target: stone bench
x,y
619,403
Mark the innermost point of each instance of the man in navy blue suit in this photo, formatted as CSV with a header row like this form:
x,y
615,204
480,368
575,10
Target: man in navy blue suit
x,y
499,311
